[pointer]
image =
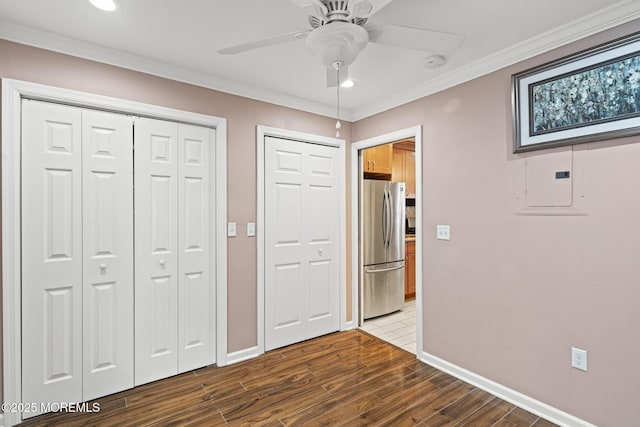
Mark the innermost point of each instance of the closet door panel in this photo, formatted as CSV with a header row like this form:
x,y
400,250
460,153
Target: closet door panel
x,y
195,319
51,253
156,249
108,253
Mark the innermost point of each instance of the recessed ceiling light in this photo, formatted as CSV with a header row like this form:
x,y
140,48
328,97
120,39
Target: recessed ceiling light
x,y
348,83
106,5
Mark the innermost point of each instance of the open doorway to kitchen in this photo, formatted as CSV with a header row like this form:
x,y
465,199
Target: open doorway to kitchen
x,y
386,237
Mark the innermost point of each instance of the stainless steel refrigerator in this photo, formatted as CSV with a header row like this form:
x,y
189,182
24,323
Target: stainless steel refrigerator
x,y
383,222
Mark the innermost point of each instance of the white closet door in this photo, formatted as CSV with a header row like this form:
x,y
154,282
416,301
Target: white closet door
x,y
156,249
301,241
107,146
51,253
322,218
195,314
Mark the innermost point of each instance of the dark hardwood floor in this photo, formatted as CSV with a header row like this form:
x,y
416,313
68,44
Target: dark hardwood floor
x,y
347,378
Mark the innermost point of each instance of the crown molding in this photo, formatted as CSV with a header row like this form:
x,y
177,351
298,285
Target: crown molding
x,y
612,16
617,14
66,45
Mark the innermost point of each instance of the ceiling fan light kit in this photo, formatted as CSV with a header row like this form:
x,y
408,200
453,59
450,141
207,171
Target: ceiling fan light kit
x,y
338,42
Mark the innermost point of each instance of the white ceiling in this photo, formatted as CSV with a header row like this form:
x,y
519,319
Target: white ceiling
x,y
178,39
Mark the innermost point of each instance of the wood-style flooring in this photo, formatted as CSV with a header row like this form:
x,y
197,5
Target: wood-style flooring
x,y
347,378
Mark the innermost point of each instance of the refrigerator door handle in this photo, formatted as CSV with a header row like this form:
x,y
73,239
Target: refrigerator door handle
x,y
384,217
382,270
389,218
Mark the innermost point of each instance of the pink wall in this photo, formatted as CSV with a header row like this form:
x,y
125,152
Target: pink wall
x,y
510,294
242,114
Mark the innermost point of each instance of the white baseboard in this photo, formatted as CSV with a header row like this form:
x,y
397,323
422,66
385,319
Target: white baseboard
x,y
347,326
525,402
242,355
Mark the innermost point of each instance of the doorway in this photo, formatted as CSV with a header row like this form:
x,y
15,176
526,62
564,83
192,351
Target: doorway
x,y
359,165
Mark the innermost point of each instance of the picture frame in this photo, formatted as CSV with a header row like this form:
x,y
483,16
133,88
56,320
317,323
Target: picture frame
x,y
590,96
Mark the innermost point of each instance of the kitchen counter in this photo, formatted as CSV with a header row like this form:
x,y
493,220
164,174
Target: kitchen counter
x,y
409,237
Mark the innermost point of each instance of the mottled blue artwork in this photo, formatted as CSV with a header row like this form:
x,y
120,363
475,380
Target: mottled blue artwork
x,y
604,93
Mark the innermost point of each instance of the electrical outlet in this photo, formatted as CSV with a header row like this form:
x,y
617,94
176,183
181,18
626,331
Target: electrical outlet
x,y
578,358
231,229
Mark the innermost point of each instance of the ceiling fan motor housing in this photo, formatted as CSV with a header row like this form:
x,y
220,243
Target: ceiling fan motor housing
x,y
337,42
340,10
337,10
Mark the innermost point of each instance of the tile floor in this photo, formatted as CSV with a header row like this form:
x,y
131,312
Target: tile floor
x,y
398,328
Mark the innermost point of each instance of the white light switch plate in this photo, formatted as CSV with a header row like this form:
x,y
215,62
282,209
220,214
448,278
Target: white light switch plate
x,y
231,229
251,229
443,232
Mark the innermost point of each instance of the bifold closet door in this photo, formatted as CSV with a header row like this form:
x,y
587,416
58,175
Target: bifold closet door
x,y
195,287
156,251
51,253
107,147
174,311
77,247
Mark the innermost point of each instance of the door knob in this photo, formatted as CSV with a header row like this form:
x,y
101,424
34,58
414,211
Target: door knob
x,y
103,267
162,263
320,251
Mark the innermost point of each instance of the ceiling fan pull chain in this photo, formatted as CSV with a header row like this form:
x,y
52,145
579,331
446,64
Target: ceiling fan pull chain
x,y
338,124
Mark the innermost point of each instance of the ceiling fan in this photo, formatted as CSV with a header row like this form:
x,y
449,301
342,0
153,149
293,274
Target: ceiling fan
x,y
340,30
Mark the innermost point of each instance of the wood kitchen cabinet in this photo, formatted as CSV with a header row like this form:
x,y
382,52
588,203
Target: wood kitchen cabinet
x,y
404,169
379,159
410,173
410,270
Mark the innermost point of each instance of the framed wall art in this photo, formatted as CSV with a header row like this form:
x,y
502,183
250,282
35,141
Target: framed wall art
x,y
590,96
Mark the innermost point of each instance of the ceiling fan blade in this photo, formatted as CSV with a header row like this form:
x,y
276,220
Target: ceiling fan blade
x,y
312,7
336,77
282,38
366,8
360,9
414,38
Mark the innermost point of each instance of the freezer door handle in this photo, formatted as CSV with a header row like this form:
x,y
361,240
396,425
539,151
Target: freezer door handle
x,y
382,270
